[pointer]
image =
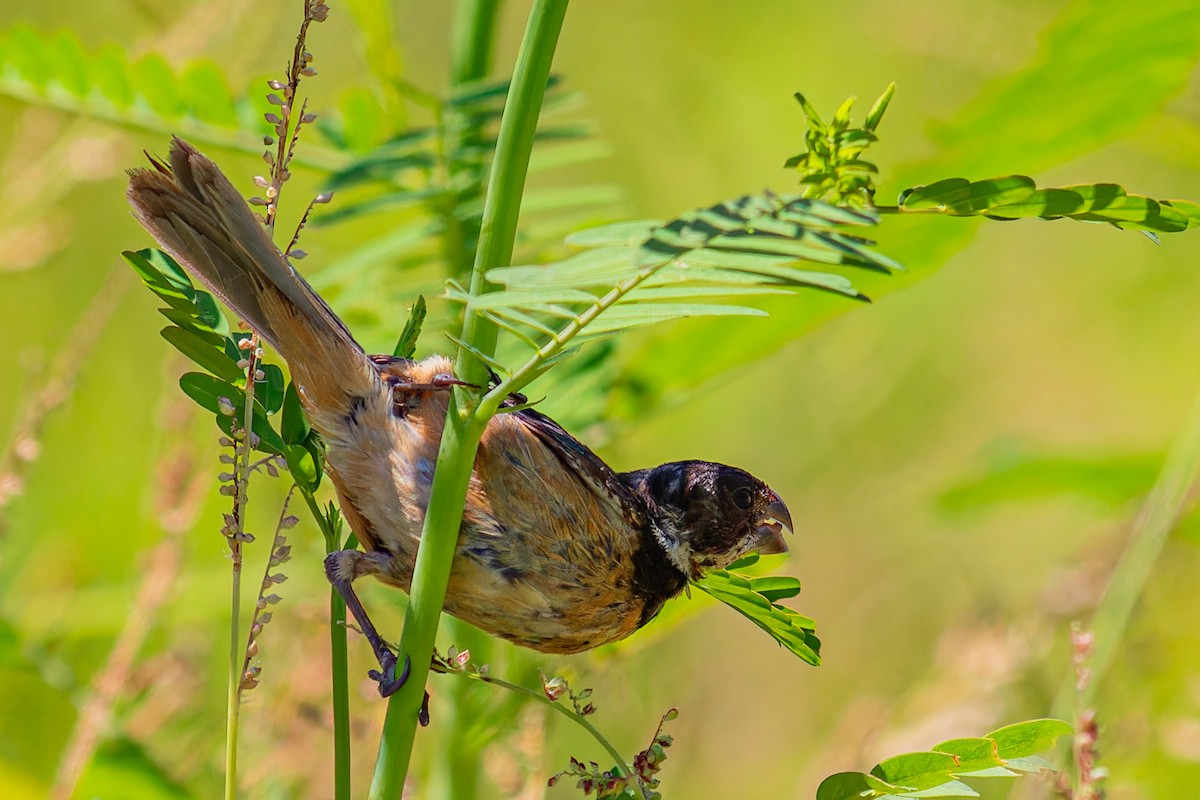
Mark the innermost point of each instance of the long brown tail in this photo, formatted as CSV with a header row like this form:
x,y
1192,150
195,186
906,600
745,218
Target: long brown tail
x,y
198,217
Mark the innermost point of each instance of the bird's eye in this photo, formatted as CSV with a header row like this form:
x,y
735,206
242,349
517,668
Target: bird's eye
x,y
743,498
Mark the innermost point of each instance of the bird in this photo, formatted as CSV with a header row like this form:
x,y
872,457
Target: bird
x,y
557,551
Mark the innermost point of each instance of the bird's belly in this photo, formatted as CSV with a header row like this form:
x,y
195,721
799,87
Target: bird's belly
x,y
539,611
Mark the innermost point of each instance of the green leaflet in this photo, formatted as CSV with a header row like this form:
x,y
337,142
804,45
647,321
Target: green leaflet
x,y
1017,196
1008,752
636,274
754,598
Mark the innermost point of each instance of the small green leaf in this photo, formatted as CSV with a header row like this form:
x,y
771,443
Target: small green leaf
x,y
160,272
776,587
269,391
209,313
70,67
204,91
406,345
916,771
109,68
1028,738
155,82
208,391
782,624
203,353
294,425
303,466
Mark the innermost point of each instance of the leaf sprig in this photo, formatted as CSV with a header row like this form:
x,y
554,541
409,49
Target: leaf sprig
x,y
634,274
1009,752
755,598
1018,197
831,165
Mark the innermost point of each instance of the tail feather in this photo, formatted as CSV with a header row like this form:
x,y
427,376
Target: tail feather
x,y
198,217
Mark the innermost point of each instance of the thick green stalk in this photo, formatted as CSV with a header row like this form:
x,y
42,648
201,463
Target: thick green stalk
x,y
460,439
472,45
338,659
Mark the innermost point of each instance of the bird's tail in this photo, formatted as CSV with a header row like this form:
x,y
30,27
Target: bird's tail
x,y
198,217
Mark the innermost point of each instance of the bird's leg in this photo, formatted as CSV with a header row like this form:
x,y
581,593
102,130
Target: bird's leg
x,y
341,568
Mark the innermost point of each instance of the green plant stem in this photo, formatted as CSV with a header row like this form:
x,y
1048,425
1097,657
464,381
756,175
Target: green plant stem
x,y
578,719
1153,524
241,480
338,659
232,705
460,439
535,365
472,39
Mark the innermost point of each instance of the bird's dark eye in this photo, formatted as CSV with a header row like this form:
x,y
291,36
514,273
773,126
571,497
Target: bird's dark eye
x,y
743,498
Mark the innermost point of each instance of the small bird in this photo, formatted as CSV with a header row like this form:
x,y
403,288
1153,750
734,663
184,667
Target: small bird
x,y
557,551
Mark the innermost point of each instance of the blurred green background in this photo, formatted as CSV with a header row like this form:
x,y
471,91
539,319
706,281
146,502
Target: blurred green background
x,y
963,458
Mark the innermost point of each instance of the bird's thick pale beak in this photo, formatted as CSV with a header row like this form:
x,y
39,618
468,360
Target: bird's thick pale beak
x,y
771,526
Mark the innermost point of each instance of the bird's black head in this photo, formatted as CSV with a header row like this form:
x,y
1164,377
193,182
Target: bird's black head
x,y
706,515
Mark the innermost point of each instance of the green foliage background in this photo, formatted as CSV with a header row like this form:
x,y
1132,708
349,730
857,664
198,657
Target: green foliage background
x,y
963,458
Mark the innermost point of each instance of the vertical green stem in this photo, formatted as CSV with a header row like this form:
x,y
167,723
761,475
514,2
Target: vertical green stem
x,y
472,39
1153,524
456,773
241,480
233,705
340,686
460,439
338,660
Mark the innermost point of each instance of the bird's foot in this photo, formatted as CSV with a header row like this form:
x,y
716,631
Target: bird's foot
x,y
389,682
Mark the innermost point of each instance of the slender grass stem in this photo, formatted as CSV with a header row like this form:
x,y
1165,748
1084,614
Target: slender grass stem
x,y
1153,524
463,429
338,657
243,450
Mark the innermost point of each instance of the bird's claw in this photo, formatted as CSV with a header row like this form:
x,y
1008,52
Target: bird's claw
x,y
389,682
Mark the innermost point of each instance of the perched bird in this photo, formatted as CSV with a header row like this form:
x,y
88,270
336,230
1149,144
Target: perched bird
x,y
557,552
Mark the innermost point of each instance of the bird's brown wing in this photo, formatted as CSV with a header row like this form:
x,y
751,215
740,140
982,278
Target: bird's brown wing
x,y
553,533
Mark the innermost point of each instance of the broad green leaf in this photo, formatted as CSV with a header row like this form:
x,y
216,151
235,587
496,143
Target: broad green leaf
x,y
975,758
1028,738
1008,752
916,771
204,353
